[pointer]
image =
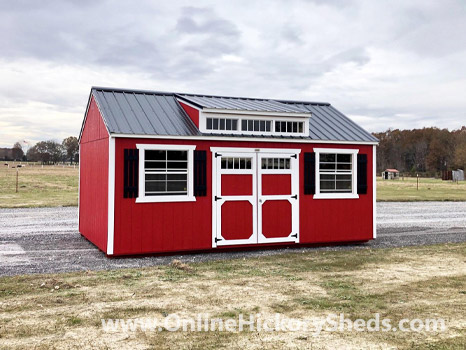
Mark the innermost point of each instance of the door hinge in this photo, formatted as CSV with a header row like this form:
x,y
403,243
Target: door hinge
x,y
217,198
295,196
295,156
218,239
295,235
217,155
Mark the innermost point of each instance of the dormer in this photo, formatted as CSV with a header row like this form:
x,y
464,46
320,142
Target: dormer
x,y
243,116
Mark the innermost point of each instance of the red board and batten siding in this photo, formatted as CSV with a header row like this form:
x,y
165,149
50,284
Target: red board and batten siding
x,y
93,177
182,226
192,112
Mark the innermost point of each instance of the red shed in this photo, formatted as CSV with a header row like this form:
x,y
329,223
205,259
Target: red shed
x,y
169,172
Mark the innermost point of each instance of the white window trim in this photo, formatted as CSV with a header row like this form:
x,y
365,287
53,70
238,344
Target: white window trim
x,y
325,195
203,124
142,198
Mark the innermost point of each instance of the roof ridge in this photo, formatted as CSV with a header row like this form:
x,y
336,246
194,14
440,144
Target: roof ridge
x,y
167,93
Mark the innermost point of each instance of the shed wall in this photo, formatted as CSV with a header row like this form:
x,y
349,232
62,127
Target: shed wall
x,y
93,177
167,227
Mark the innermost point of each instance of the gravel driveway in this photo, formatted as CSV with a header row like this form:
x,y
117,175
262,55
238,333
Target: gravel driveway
x,y
46,240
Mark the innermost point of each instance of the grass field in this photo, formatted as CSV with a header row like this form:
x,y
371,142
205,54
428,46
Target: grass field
x,y
47,186
429,190
65,310
50,186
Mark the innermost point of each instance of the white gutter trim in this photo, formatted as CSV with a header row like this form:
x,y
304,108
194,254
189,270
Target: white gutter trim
x,y
243,139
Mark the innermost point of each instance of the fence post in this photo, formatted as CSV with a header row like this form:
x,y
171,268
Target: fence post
x,y
17,172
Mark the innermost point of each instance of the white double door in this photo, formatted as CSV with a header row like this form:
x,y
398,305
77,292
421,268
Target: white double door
x,y
255,196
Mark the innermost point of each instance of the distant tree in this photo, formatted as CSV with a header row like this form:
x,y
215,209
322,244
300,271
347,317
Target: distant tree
x,y
55,150
17,151
71,148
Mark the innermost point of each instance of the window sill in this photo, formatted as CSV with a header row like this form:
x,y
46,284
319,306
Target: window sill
x,y
336,196
165,199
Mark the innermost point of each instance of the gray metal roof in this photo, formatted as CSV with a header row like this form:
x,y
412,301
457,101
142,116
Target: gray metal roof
x,y
240,104
159,113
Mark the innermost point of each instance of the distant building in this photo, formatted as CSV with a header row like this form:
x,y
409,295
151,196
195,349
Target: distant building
x,y
457,175
390,174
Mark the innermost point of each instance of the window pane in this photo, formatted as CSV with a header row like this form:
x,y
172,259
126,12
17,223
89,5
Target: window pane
x,y
244,125
224,163
345,158
215,123
343,166
155,165
242,163
236,163
282,163
177,155
234,125
230,163
283,126
289,127
228,126
344,185
327,167
177,186
262,125
275,163
277,126
267,125
344,177
327,157
250,125
264,163
300,125
327,185
327,177
287,163
222,124
155,186
256,125
269,163
248,163
177,166
177,177
209,123
155,155
159,177
295,127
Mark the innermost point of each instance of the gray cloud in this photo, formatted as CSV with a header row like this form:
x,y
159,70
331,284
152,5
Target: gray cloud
x,y
393,63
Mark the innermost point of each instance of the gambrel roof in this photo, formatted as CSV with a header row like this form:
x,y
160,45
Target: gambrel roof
x,y
140,112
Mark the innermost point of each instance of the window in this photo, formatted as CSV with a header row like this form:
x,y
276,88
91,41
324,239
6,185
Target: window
x,y
221,124
255,125
288,127
336,173
275,163
236,163
165,173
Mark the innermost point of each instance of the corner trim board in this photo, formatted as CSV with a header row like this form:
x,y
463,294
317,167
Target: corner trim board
x,y
111,195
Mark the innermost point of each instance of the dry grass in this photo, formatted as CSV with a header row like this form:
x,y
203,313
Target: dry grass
x,y
47,186
65,310
429,190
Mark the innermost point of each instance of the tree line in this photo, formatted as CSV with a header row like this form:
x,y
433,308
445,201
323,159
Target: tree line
x,y
426,151
48,152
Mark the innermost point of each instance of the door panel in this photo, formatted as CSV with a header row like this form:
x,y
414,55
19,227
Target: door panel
x,y
237,220
237,184
276,218
274,184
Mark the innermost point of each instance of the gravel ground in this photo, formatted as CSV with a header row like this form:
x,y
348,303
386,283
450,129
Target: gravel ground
x,y
46,240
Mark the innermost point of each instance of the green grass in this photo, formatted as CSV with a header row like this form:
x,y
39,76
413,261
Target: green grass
x,y
413,282
429,190
51,186
47,186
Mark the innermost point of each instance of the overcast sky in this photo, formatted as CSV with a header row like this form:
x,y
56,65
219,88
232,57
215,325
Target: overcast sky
x,y
386,64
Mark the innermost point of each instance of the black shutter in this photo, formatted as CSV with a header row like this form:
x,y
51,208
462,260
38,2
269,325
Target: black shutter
x,y
309,173
131,176
200,173
362,173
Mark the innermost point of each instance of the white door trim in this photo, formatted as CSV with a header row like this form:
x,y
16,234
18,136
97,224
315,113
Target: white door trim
x,y
256,172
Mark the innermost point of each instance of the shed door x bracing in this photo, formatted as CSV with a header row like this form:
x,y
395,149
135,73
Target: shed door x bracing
x,y
255,196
